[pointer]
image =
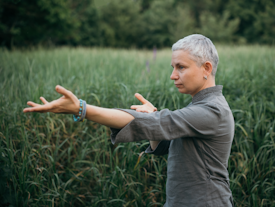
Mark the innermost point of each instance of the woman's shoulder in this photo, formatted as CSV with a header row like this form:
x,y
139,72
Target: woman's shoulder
x,y
215,104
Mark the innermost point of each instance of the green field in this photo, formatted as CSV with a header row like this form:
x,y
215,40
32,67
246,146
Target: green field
x,y
48,160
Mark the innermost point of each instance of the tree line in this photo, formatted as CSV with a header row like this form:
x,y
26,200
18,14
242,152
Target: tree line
x,y
134,23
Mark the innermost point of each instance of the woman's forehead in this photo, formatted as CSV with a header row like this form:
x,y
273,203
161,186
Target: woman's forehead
x,y
181,57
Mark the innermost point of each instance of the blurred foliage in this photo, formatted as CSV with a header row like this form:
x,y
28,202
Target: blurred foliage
x,y
48,160
133,23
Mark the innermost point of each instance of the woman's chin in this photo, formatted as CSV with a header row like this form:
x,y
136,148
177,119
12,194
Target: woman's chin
x,y
182,90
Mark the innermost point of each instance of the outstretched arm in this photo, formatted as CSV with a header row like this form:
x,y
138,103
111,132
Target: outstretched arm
x,y
147,107
69,104
108,117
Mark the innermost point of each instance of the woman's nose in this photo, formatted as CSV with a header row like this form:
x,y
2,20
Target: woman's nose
x,y
174,75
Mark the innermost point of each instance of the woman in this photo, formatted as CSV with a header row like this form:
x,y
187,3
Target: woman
x,y
197,138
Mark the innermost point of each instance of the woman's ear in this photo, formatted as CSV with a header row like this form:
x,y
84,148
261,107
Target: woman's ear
x,y
208,68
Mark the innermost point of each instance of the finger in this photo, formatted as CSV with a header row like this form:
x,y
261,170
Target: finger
x,y
26,110
44,100
39,108
136,106
140,98
30,103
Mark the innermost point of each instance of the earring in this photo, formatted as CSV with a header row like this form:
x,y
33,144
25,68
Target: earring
x,y
205,77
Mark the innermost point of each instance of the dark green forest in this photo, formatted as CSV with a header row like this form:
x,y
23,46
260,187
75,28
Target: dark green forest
x,y
134,23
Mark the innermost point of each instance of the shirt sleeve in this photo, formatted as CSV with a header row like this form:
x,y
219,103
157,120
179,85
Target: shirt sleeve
x,y
161,149
193,121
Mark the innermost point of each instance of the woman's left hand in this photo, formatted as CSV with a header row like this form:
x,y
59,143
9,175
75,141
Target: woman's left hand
x,y
147,107
67,104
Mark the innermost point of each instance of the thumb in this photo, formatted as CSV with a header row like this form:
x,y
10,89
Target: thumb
x,y
63,91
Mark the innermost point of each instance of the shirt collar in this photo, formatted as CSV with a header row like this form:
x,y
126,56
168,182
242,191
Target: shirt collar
x,y
217,90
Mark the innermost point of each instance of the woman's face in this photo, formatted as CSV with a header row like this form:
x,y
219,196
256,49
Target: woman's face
x,y
187,75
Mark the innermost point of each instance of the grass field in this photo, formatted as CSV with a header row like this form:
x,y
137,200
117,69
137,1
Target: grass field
x,y
48,160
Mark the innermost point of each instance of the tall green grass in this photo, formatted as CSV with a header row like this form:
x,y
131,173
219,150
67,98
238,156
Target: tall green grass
x,y
48,160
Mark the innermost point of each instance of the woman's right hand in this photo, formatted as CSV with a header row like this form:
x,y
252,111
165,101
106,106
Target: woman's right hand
x,y
67,104
147,107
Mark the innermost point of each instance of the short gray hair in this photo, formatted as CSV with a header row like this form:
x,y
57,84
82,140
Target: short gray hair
x,y
201,48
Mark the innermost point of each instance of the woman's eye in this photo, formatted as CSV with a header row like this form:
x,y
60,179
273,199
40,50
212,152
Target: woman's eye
x,y
181,67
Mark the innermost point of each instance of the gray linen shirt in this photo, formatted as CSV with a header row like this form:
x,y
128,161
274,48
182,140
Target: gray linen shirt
x,y
198,141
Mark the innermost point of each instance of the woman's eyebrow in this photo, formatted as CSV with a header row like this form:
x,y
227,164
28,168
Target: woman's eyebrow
x,y
180,64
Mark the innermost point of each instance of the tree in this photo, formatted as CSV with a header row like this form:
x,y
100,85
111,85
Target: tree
x,y
31,22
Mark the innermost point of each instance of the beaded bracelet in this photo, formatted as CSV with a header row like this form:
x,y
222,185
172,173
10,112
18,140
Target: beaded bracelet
x,y
82,112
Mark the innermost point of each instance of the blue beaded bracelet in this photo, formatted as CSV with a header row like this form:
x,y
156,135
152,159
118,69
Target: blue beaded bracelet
x,y
82,112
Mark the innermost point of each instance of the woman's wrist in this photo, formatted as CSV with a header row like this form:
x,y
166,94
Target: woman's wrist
x,y
82,111
76,108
